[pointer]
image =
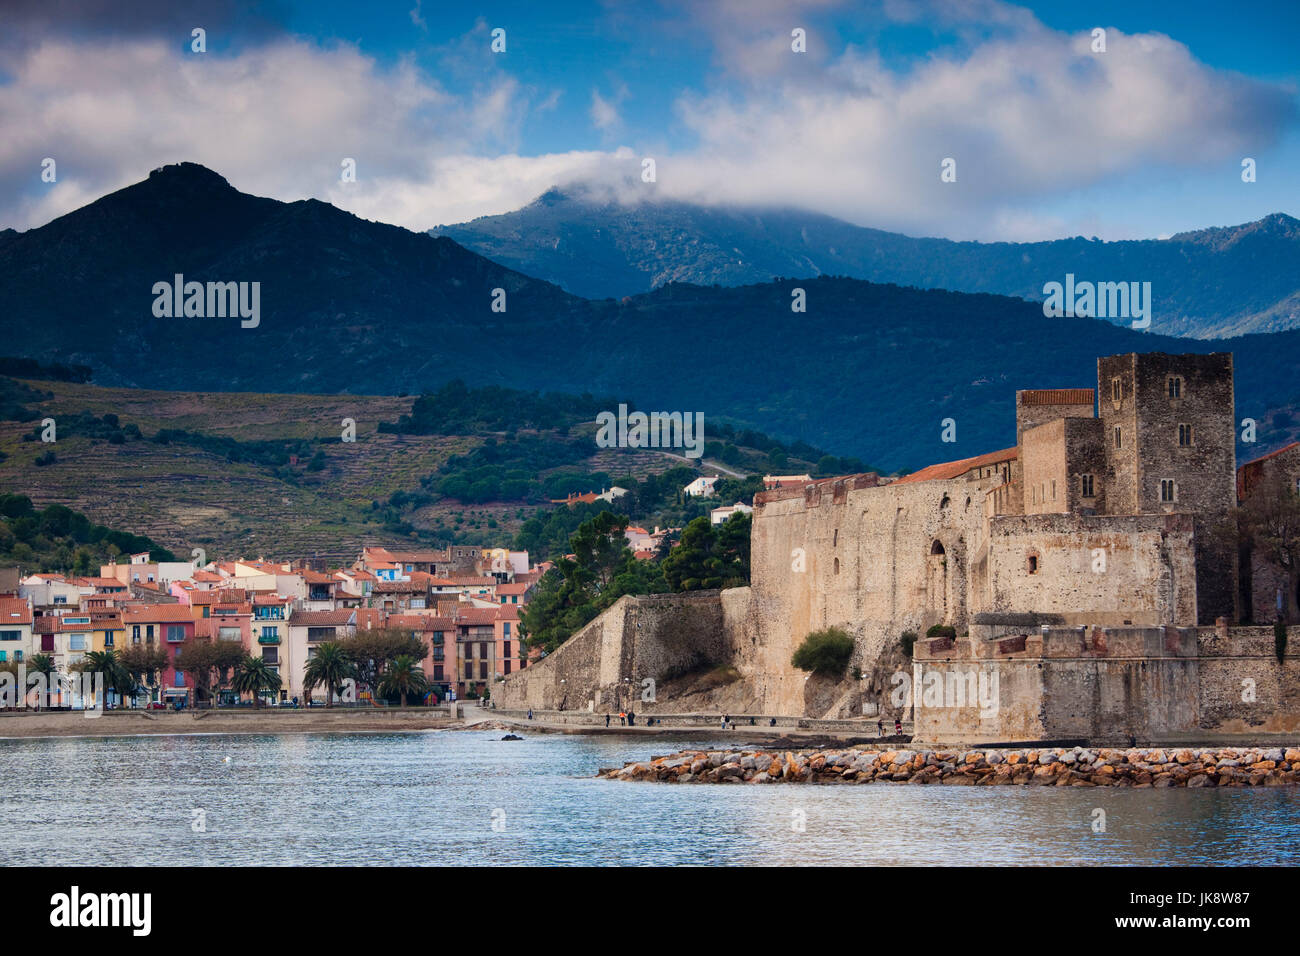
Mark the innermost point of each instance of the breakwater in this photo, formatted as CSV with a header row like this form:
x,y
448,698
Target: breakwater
x,y
1059,767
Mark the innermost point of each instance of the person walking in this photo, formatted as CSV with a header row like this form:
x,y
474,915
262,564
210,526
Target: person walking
x,y
530,713
607,720
880,728
898,726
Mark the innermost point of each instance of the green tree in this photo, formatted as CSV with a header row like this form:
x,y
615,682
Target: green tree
x,y
403,676
116,676
41,664
329,666
371,650
253,676
825,652
710,556
145,663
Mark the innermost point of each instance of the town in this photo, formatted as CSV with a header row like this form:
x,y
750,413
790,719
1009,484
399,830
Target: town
x,y
454,610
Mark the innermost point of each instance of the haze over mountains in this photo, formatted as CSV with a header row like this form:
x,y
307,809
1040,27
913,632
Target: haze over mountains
x,y
349,305
1208,283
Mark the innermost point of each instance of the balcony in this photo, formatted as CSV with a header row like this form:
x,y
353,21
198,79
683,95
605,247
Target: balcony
x,y
265,638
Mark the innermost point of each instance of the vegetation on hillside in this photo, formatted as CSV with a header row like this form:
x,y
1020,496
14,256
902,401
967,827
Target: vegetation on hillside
x,y
57,538
601,569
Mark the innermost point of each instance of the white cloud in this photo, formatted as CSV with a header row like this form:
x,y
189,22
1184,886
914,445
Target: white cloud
x,y
276,120
1029,113
1029,116
604,114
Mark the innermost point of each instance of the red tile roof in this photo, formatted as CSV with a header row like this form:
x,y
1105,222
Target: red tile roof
x,y
477,615
955,469
1249,473
1055,396
153,613
15,611
322,618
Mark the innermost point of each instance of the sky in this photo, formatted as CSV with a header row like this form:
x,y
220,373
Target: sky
x,y
1049,135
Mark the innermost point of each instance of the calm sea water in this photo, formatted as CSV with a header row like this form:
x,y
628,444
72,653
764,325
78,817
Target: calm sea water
x,y
434,799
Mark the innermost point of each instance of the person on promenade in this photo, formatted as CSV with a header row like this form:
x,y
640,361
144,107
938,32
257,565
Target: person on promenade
x,y
622,718
607,720
724,721
530,713
880,728
898,726
631,718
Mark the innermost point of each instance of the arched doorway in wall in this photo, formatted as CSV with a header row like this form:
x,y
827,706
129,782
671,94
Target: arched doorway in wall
x,y
937,579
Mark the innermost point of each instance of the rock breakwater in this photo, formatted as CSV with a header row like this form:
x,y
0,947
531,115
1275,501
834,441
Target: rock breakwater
x,y
1058,767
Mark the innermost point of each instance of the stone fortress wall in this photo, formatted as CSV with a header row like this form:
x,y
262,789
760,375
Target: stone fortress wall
x,y
1078,566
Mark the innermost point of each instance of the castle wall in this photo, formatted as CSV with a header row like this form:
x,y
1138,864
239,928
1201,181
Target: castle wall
x,y
1036,407
1044,469
605,664
1106,685
861,558
1116,377
1205,471
1144,574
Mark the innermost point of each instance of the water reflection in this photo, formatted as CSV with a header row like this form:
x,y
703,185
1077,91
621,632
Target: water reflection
x,y
433,798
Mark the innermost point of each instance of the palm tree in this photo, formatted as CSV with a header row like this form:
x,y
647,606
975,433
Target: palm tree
x,y
40,664
403,676
253,676
108,663
331,667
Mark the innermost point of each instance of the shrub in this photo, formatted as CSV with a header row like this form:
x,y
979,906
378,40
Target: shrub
x,y
907,640
941,630
824,652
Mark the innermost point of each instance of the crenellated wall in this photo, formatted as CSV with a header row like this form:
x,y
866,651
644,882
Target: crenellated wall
x,y
1105,685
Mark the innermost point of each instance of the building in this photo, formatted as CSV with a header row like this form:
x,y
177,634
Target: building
x,y
16,635
701,487
719,515
307,631
170,627
1085,565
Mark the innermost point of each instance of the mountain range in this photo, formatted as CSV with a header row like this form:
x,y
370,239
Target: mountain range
x,y
349,305
1209,283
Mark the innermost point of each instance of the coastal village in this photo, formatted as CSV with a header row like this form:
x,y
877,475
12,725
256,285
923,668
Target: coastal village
x,y
1066,570
462,602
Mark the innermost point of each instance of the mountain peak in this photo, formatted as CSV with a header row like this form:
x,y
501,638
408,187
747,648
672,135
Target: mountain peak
x,y
552,197
188,174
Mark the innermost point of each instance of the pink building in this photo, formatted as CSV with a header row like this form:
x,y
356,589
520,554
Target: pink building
x,y
169,626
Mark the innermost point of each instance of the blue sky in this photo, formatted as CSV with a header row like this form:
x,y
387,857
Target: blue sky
x,y
1050,137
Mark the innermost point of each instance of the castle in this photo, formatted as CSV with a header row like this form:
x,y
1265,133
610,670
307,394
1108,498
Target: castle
x,y
1101,530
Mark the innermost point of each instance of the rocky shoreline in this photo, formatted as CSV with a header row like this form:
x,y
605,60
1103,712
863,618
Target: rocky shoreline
x,y
1058,767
